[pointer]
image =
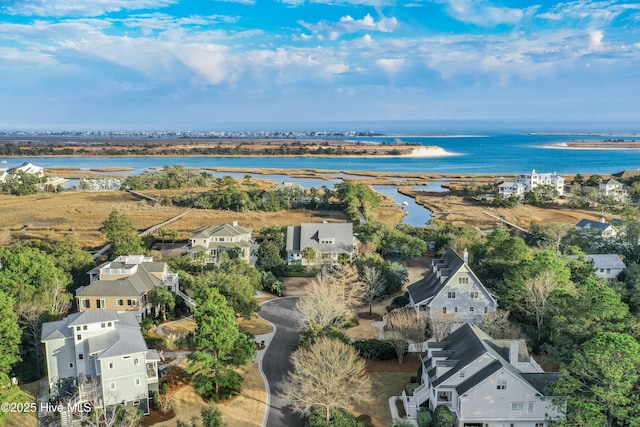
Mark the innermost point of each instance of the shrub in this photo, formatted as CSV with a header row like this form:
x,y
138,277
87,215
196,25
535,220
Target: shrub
x,y
146,324
165,388
364,420
350,323
442,417
156,401
401,423
424,419
338,417
309,336
375,349
399,302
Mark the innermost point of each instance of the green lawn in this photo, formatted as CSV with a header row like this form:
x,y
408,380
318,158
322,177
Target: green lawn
x,y
385,385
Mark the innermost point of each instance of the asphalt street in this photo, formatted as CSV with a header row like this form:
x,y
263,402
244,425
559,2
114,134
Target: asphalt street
x,y
276,361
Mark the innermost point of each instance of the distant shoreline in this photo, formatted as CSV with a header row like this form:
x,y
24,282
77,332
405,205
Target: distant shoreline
x,y
594,145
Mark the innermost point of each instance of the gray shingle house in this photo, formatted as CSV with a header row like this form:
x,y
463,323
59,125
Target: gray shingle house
x,y
213,240
602,228
451,287
328,241
125,284
607,266
99,356
484,382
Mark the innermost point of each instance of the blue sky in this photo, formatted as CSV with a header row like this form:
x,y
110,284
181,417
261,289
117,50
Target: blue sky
x,y
203,64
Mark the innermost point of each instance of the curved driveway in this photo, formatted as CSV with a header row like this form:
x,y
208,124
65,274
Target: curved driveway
x,y
276,360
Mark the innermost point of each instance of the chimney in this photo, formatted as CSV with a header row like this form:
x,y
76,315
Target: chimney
x,y
602,219
465,256
513,353
235,223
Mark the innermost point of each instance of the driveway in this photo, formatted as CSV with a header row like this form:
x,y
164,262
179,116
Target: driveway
x,y
275,362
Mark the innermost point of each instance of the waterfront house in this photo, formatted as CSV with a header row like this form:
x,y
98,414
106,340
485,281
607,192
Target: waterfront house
x,y
532,180
451,287
125,285
510,188
602,228
213,240
289,185
100,357
329,242
484,382
615,189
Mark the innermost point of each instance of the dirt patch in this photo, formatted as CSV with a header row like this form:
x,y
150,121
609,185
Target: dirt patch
x,y
296,286
362,332
255,326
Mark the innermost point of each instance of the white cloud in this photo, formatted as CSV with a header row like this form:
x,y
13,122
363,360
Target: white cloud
x,y
481,12
59,8
209,61
586,11
390,65
348,25
374,3
595,39
337,68
19,59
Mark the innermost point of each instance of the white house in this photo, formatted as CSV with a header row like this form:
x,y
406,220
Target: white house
x,y
532,180
451,287
586,226
213,240
484,382
125,284
607,266
99,356
328,240
615,189
510,188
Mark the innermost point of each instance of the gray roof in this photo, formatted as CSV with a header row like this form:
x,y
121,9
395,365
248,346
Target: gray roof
x,y
589,223
123,340
131,286
429,287
468,343
288,185
62,329
223,230
612,261
311,234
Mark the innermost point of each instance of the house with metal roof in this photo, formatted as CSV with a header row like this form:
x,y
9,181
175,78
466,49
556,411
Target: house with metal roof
x,y
98,357
451,287
329,241
484,382
125,284
213,240
614,188
602,228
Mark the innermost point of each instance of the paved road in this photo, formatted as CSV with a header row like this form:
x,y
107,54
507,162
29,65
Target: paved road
x,y
275,363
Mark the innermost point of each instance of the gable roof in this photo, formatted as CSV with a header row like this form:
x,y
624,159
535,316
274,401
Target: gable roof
x,y
613,261
311,234
223,230
62,329
137,284
448,265
469,343
589,223
122,340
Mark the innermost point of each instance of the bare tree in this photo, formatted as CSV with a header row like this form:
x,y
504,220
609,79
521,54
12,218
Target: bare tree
x,y
442,324
538,289
57,298
321,307
345,281
326,375
404,325
498,325
374,285
30,318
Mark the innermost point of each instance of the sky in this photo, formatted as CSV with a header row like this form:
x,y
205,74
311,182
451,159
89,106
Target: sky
x,y
207,65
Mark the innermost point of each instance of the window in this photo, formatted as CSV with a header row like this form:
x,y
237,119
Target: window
x,y
472,309
539,424
501,385
451,294
78,328
103,325
81,356
137,381
84,327
455,309
529,407
109,324
462,374
110,365
86,303
608,271
517,407
486,310
71,365
112,386
136,361
463,280
131,302
79,337
119,302
474,294
444,310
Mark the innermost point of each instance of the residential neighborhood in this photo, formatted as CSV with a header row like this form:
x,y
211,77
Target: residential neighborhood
x,y
444,326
